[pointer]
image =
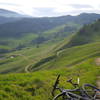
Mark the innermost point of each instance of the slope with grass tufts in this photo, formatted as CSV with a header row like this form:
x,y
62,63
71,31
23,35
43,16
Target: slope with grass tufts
x,y
35,86
88,34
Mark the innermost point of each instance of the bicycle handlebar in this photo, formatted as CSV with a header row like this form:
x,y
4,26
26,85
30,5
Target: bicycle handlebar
x,y
71,82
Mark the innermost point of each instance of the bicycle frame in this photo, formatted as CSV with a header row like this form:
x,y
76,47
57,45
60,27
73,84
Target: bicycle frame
x,y
69,92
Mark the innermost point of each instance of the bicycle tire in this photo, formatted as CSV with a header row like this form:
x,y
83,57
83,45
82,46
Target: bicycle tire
x,y
92,87
71,97
62,95
57,96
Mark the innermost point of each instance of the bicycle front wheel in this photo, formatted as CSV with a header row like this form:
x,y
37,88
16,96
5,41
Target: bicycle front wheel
x,y
61,96
91,91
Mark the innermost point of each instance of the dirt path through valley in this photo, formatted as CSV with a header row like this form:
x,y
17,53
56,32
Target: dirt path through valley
x,y
27,59
97,61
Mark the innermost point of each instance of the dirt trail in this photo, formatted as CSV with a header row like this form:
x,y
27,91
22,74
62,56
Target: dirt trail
x,y
97,61
98,82
27,68
27,59
98,85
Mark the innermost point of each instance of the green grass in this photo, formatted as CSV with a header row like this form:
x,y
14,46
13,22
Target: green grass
x,y
45,62
26,40
87,34
71,56
15,42
58,33
34,56
26,56
38,85
4,47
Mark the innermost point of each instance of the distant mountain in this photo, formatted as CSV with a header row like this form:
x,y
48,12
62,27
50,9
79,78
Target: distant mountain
x,y
83,18
20,32
4,20
39,25
7,13
7,16
88,34
86,18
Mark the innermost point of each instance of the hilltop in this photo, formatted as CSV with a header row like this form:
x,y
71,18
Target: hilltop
x,y
7,16
39,25
10,14
87,34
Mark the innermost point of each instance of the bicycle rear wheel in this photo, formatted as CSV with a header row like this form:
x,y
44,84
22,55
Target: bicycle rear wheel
x,y
70,97
91,91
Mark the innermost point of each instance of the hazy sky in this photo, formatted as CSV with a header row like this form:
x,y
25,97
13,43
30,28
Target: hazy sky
x,y
51,7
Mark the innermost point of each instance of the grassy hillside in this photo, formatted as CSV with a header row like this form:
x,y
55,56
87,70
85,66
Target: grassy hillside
x,y
88,34
29,73
37,85
39,25
18,60
29,56
69,57
31,39
47,56
16,34
18,42
62,31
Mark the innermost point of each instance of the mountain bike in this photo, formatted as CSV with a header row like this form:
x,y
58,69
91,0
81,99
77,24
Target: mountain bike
x,y
79,93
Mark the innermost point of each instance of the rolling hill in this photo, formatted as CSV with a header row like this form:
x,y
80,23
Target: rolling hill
x,y
39,25
32,39
56,55
29,73
87,34
53,50
7,16
11,14
22,32
4,20
36,85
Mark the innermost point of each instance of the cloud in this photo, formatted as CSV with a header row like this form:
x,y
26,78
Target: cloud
x,y
51,7
40,12
10,4
76,6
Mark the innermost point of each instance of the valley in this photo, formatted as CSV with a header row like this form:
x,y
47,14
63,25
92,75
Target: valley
x,y
33,51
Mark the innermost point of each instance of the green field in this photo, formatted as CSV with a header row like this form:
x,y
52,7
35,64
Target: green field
x,y
38,85
71,56
28,73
